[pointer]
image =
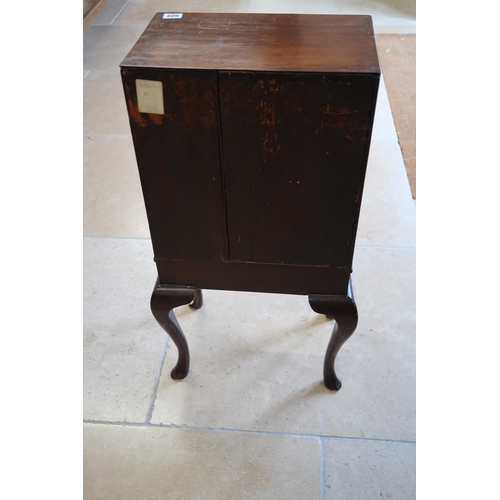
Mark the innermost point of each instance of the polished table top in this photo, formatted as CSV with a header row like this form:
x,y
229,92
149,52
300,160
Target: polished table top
x,y
258,42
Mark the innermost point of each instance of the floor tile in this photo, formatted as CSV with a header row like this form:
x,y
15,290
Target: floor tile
x,y
383,125
290,6
104,107
153,463
105,47
112,198
142,11
387,216
359,469
388,16
123,346
109,12
257,360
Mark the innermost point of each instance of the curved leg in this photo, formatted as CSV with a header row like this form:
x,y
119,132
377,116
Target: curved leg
x,y
198,299
343,309
163,301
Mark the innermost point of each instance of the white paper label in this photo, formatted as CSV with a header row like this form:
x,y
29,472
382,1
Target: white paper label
x,y
171,15
149,96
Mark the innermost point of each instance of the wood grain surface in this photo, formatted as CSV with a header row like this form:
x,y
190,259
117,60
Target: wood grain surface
x,y
255,276
295,153
179,163
258,42
252,145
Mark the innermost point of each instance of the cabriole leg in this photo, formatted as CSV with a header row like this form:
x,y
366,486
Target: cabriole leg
x,y
342,308
163,301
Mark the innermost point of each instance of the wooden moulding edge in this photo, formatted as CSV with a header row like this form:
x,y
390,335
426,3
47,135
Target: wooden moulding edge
x,y
254,276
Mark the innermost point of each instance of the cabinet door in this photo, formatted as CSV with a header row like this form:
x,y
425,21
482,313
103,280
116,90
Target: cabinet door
x,y
177,150
295,148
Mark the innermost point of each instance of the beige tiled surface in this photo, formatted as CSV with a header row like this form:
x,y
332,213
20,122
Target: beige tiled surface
x,y
393,16
387,215
383,128
359,469
154,463
105,47
141,11
267,348
109,12
112,189
253,417
122,344
104,109
291,6
389,16
257,361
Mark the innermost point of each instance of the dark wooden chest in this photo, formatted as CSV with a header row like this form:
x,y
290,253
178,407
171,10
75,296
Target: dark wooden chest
x,y
252,135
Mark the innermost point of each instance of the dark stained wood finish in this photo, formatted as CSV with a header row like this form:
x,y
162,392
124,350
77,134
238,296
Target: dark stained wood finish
x,y
197,300
179,164
295,153
343,309
253,174
163,301
258,42
255,277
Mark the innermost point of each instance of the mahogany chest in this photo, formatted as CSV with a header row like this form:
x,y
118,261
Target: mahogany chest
x,y
252,134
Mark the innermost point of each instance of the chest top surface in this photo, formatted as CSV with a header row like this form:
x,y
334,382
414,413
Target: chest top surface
x,y
258,42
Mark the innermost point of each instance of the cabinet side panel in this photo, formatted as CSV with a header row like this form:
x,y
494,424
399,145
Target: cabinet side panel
x,y
178,158
295,151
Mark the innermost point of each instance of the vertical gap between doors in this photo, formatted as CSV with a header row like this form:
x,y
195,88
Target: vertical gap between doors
x,y
221,163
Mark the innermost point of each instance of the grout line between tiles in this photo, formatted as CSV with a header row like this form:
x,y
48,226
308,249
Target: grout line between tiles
x,y
121,10
157,382
322,467
245,431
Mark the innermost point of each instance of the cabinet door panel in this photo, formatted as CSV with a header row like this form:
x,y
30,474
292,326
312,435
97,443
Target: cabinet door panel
x,y
295,148
178,157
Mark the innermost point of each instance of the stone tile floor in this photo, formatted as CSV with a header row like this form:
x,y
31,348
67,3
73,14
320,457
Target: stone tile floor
x,y
253,419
